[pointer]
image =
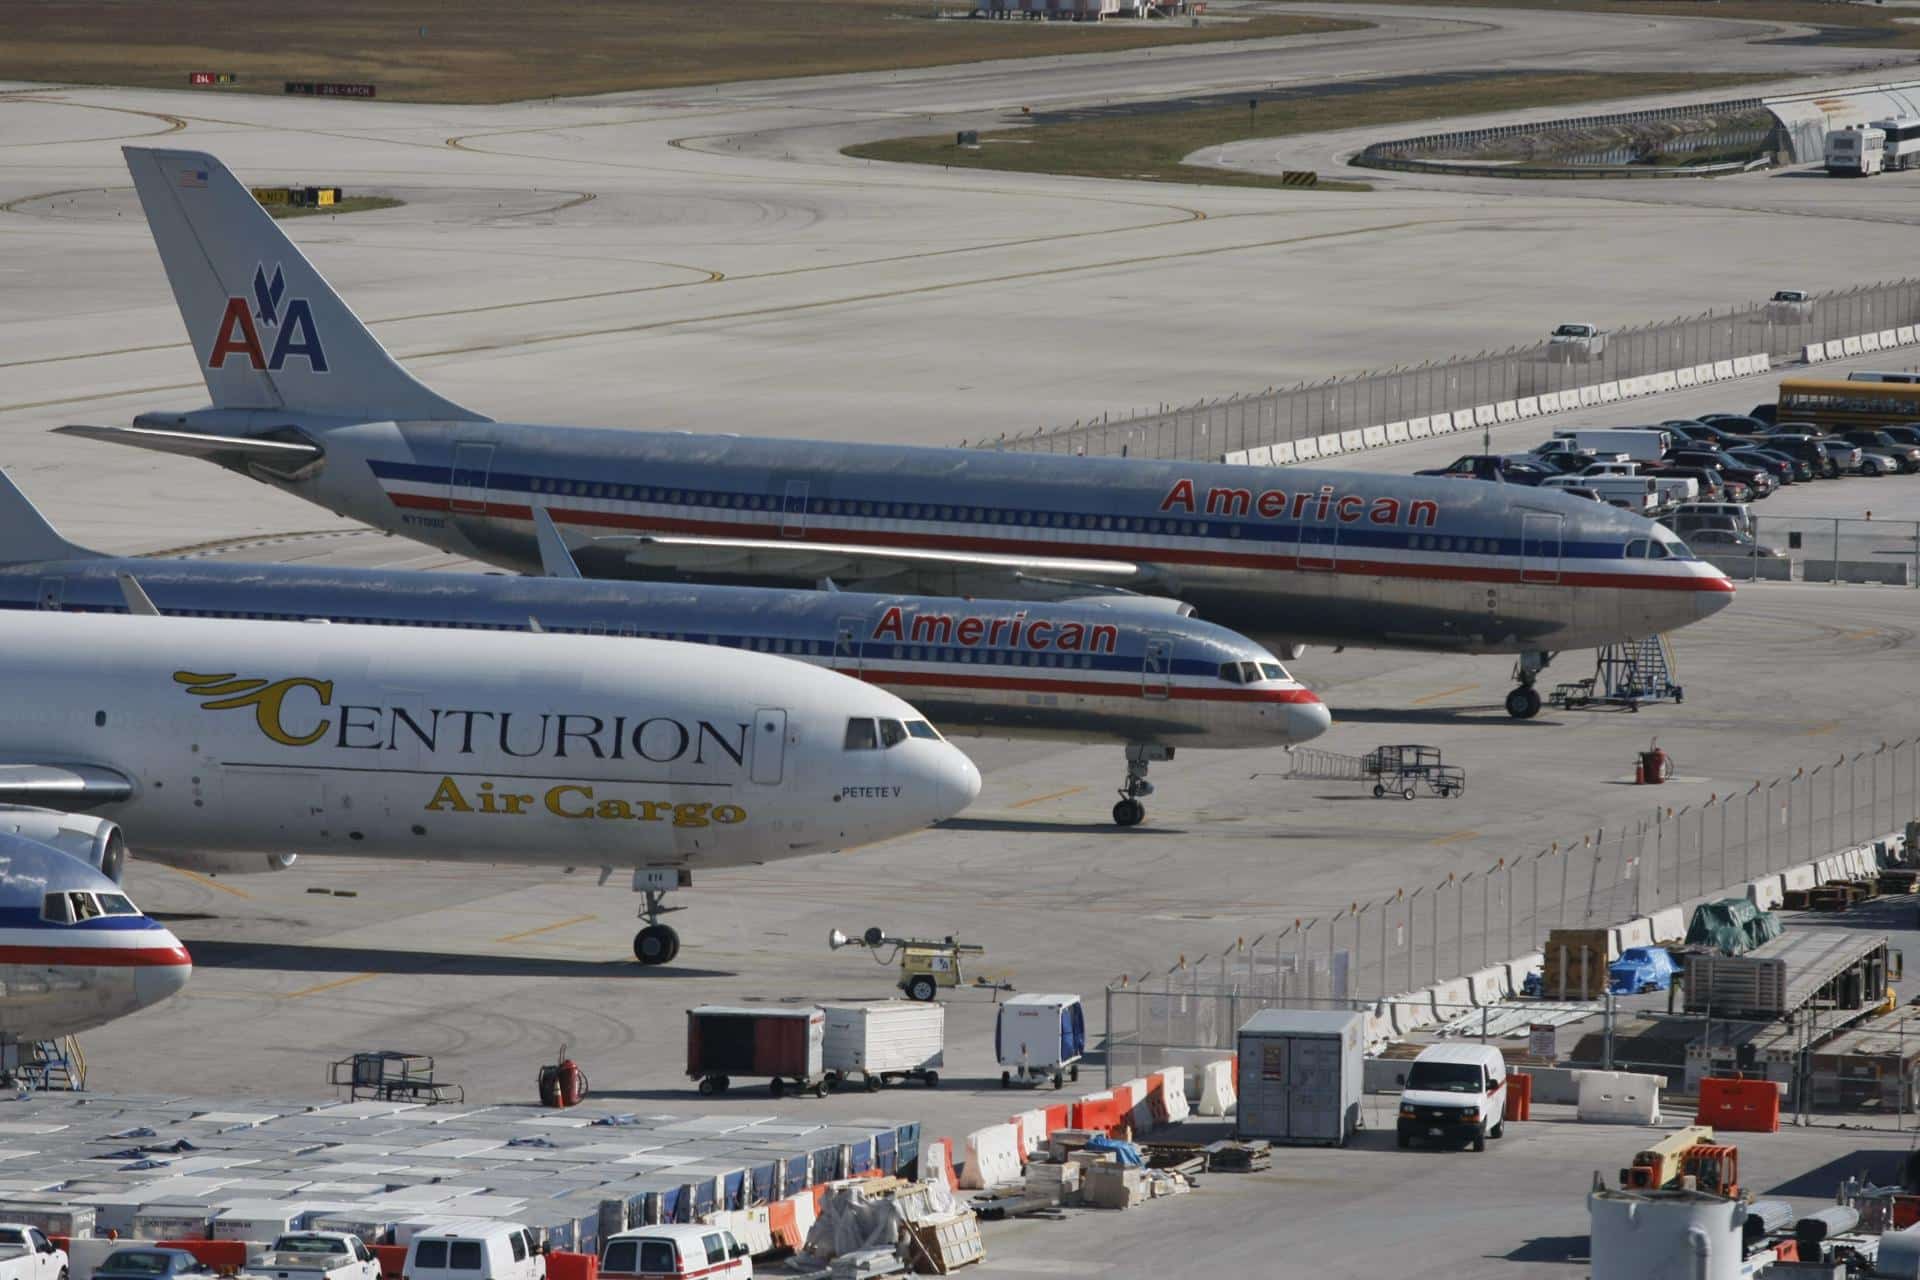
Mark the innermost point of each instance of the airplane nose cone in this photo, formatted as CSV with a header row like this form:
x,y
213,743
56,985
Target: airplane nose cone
x,y
1308,720
153,983
961,783
1708,602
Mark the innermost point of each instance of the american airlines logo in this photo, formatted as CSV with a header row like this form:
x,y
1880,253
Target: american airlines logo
x,y
268,329
1014,631
1320,505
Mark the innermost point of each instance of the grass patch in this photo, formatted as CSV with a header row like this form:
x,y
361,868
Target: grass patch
x,y
508,50
1147,142
352,204
1840,23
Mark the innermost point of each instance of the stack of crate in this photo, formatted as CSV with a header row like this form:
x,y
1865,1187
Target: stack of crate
x,y
1576,964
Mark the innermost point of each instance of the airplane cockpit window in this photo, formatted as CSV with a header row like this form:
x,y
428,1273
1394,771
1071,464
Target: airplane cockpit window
x,y
860,736
55,909
115,904
1249,673
921,729
1272,671
84,906
1636,549
1230,672
1675,548
892,733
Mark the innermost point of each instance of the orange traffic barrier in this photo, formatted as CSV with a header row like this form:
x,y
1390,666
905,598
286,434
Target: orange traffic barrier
x,y
393,1259
1519,1097
785,1223
572,1266
1737,1105
1906,1211
229,1255
1157,1098
1059,1116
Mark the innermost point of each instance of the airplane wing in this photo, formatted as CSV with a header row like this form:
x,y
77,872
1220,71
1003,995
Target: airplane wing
x,y
69,788
197,444
855,562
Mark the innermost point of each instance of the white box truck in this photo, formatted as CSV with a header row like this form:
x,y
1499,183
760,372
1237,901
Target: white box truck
x,y
1640,444
884,1042
1040,1038
1300,1076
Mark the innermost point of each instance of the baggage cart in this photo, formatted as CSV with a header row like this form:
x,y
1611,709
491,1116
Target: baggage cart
x,y
884,1042
783,1045
1403,770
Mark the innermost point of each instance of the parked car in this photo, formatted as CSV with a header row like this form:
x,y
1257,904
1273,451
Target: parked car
x,y
1783,469
1581,491
1808,450
475,1250
657,1252
1728,542
1701,433
150,1264
1710,515
27,1254
1904,432
1454,1093
1758,480
1714,487
1905,456
316,1255
1738,424
1487,466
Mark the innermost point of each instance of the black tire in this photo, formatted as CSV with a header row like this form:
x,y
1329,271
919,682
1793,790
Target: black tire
x,y
722,1083
1129,813
1523,703
1073,1073
1402,1141
1406,793
873,1084
1499,1131
931,1079
777,1087
708,1086
922,988
1479,1142
655,944
1378,791
1059,1080
1006,1079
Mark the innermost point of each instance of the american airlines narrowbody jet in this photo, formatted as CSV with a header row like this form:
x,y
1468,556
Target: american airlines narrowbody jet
x,y
1119,669
208,741
305,398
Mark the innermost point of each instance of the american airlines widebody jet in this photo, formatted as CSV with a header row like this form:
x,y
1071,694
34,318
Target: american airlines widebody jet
x,y
75,953
1119,669
304,398
210,740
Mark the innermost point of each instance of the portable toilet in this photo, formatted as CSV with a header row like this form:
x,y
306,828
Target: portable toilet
x,y
1040,1037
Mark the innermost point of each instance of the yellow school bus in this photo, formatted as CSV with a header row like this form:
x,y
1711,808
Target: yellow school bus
x,y
1836,403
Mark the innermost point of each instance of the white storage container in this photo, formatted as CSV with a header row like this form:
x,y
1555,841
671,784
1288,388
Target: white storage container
x,y
885,1042
1040,1037
172,1221
1300,1076
258,1220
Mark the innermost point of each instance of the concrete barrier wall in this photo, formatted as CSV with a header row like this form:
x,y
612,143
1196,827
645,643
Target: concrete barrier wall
x,y
1619,1097
1637,932
1217,1097
1490,985
1450,998
1765,893
1800,878
1887,572
1670,925
993,1158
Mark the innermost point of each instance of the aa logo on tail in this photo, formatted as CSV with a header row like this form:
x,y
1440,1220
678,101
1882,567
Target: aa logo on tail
x,y
268,328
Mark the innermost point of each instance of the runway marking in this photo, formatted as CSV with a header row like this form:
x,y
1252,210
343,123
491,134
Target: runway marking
x,y
1865,633
1070,791
546,928
1444,693
335,985
1821,730
209,882
174,123
1456,836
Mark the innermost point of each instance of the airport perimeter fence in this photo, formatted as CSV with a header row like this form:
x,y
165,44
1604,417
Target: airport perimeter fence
x,y
1473,921
1367,402
1829,549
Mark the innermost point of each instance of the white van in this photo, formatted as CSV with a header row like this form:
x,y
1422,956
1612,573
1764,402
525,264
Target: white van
x,y
474,1251
1454,1093
1640,444
674,1252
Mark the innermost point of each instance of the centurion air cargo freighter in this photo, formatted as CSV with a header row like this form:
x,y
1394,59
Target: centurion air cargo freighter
x,y
1122,669
217,743
306,399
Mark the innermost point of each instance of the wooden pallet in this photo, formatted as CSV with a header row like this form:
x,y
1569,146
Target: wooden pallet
x,y
942,1244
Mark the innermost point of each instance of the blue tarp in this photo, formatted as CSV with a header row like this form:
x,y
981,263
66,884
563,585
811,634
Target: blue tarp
x,y
1125,1152
1640,969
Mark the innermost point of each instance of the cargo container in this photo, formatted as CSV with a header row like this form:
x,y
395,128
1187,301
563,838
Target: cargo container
x,y
1300,1076
1846,969
884,1042
781,1044
1039,1038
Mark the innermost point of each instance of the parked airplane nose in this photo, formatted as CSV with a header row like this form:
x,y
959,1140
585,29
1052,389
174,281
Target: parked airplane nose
x,y
1307,720
166,972
959,782
1714,597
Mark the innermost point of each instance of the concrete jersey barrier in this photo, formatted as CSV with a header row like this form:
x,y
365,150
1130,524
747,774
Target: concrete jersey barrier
x,y
1217,1097
993,1158
1619,1097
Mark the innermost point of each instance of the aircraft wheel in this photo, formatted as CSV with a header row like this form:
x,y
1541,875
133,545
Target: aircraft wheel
x,y
1523,703
1129,813
656,944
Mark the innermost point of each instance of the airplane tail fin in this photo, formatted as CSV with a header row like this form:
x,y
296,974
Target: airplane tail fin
x,y
268,331
26,536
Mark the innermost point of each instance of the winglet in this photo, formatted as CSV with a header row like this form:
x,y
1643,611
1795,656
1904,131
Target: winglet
x,y
26,535
139,603
555,560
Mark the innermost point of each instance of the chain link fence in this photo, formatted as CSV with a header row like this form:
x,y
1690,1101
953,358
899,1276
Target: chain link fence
x,y
1368,952
1779,330
1830,549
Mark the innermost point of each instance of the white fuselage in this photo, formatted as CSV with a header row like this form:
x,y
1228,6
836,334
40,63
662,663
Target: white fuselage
x,y
539,749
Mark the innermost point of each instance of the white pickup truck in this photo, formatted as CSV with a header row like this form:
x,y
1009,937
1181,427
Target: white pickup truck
x,y
1635,493
316,1255
27,1254
1668,491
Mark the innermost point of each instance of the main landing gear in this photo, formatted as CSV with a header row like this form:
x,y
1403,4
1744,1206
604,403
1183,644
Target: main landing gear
x,y
1524,702
1129,812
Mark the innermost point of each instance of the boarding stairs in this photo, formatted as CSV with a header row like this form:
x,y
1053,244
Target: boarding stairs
x,y
1310,764
1626,675
54,1065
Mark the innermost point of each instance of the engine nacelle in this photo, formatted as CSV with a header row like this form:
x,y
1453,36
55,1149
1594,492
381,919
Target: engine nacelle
x,y
95,841
1292,652
221,864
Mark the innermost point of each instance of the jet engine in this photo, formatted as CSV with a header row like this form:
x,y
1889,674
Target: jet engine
x,y
221,864
95,841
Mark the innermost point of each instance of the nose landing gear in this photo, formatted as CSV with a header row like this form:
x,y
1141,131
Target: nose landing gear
x,y
1129,812
1523,703
657,943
